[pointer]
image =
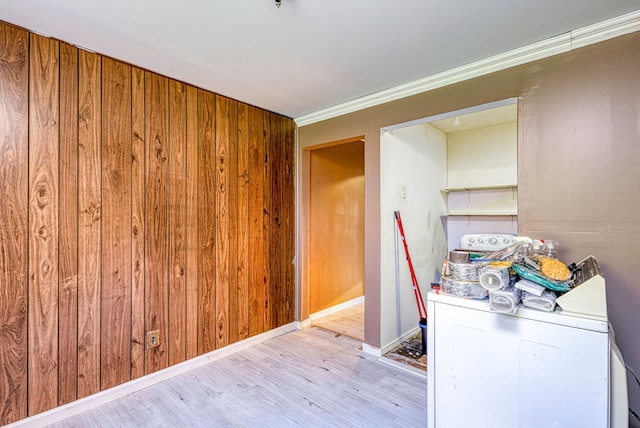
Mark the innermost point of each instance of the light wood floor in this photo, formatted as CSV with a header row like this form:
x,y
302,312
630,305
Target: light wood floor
x,y
309,378
348,321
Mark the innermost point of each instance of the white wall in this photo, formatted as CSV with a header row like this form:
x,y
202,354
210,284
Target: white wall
x,y
483,157
416,158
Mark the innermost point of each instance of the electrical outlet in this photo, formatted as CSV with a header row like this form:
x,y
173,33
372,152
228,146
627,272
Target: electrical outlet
x,y
153,339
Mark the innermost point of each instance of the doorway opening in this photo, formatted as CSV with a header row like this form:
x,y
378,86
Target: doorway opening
x,y
450,175
335,271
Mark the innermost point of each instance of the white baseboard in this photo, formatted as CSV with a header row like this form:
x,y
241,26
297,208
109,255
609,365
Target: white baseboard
x,y
337,308
403,366
305,323
76,407
371,350
389,346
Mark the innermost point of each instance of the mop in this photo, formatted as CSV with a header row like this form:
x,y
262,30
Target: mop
x,y
422,311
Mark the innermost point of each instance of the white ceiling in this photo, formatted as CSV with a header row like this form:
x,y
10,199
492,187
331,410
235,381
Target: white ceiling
x,y
306,55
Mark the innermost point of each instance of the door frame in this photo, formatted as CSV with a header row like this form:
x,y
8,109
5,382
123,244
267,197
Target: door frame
x,y
304,202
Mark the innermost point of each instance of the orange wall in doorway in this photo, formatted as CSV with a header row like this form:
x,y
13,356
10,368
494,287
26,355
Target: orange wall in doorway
x,y
336,246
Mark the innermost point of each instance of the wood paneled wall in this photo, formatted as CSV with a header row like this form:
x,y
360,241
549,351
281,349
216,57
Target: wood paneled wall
x,y
130,202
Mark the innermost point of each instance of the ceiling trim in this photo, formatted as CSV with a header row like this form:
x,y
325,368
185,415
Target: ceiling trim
x,y
615,27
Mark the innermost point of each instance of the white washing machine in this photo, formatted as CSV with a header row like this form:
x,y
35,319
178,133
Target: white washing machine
x,y
532,369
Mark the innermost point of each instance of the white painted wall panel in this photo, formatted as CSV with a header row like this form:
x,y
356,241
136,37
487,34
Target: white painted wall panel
x,y
414,158
483,157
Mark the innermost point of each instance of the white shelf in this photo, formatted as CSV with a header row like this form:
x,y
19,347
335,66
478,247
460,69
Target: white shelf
x,y
478,213
470,189
482,201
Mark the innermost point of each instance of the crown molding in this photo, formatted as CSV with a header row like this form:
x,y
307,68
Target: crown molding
x,y
605,30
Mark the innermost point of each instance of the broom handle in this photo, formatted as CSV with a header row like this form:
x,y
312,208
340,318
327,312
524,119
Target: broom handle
x,y
422,311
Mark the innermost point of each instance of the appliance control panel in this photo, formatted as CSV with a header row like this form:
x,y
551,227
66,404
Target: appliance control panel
x,y
486,241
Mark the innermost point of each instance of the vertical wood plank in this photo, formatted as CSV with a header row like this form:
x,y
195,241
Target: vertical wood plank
x,y
256,212
288,214
233,221
68,227
89,223
192,222
138,165
14,173
116,224
43,223
156,217
196,238
222,221
243,260
206,222
266,221
177,221
276,253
